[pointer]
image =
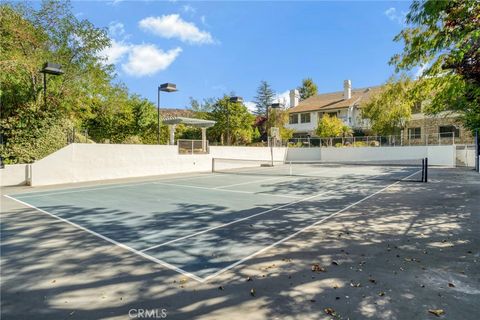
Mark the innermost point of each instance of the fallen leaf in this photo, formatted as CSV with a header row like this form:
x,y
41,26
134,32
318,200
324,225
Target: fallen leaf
x,y
318,268
381,293
330,311
355,285
451,285
220,288
437,312
372,280
252,292
249,279
335,263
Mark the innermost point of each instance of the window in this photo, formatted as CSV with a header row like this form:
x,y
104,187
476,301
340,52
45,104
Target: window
x,y
414,133
417,107
332,114
305,117
293,118
448,131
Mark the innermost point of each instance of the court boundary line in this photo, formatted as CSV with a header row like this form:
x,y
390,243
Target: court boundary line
x,y
302,230
257,214
119,244
226,190
206,174
205,279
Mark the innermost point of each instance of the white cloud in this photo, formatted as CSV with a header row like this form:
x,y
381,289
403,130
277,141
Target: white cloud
x,y
395,16
251,106
173,26
147,59
283,98
188,9
116,29
116,51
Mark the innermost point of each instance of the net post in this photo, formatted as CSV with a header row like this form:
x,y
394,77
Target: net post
x,y
423,169
426,170
477,150
213,165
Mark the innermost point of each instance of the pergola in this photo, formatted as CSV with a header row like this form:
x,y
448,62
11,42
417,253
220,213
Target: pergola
x,y
193,122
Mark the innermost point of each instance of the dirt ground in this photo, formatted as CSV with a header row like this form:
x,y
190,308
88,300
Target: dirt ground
x,y
406,253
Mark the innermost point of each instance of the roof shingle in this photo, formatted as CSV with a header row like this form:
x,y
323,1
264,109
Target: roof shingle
x,y
335,100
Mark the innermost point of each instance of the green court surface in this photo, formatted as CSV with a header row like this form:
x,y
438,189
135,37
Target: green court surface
x,y
203,225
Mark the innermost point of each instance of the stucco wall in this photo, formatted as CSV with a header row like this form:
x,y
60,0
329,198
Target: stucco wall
x,y
90,162
438,155
13,175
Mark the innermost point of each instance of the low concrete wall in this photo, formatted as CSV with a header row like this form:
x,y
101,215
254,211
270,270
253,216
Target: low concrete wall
x,y
91,162
14,174
438,155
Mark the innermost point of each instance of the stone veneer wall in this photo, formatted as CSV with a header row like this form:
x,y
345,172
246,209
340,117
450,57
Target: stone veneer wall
x,y
430,127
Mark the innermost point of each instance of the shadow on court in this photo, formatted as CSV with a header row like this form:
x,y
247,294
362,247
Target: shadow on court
x,y
411,248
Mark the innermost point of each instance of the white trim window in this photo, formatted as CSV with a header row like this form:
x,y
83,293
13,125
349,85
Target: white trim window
x,y
293,118
304,117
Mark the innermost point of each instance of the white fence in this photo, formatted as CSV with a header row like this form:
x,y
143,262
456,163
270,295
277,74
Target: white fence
x,y
437,155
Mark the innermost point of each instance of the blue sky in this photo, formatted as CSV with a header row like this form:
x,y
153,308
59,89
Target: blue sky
x,y
213,48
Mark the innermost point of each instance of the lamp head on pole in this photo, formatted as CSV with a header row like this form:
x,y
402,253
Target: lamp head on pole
x,y
236,99
276,105
168,87
52,68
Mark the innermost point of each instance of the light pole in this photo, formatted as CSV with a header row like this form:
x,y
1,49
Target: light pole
x,y
233,100
276,105
53,69
166,87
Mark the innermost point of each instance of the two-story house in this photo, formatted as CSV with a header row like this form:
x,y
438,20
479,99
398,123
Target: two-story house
x,y
345,105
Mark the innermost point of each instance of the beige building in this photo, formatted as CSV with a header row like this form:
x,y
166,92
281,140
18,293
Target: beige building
x,y
347,104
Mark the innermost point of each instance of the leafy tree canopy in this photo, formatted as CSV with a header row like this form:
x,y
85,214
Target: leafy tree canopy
x,y
264,98
307,89
443,37
329,127
231,118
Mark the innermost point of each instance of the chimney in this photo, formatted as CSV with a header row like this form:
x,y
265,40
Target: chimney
x,y
294,98
347,89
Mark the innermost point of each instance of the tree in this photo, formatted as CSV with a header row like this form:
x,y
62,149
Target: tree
x,y
307,89
279,118
263,99
231,118
443,37
391,108
329,127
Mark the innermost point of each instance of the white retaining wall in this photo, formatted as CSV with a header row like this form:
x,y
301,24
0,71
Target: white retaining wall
x,y
91,162
437,155
14,175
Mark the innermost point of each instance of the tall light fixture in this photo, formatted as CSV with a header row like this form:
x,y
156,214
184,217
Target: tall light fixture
x,y
166,87
232,100
53,69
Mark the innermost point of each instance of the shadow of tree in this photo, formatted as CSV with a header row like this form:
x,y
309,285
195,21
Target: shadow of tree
x,y
390,257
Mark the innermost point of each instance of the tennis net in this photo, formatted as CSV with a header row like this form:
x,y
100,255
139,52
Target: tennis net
x,y
394,170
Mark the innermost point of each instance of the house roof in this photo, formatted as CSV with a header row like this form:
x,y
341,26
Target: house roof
x,y
334,100
174,112
199,123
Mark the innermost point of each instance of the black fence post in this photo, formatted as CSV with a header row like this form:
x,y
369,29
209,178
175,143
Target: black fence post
x,y
477,151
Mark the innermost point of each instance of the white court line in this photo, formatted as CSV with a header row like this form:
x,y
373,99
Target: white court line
x,y
115,186
250,182
252,216
224,190
300,231
121,245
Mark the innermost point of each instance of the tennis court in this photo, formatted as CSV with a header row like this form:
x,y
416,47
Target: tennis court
x,y
205,224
